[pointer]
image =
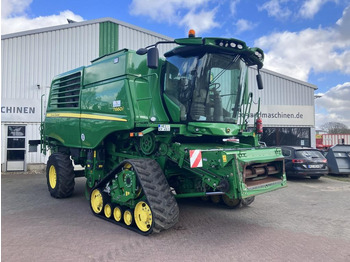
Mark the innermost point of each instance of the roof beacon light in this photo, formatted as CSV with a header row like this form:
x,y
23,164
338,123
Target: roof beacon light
x,y
191,33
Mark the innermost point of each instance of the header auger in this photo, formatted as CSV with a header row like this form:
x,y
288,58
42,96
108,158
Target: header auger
x,y
149,131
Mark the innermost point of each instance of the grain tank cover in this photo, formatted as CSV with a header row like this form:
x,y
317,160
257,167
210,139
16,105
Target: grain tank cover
x,y
121,63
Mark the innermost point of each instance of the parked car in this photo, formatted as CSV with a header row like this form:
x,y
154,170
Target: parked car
x,y
304,161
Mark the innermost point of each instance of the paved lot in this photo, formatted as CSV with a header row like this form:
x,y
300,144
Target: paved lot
x,y
308,221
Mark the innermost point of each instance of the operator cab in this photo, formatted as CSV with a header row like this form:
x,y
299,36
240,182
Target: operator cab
x,y
205,79
204,86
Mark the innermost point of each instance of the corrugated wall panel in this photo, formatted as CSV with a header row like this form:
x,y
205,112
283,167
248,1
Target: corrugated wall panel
x,y
280,91
35,59
134,39
33,133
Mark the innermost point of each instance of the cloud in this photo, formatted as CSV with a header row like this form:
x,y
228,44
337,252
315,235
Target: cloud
x,y
312,7
202,21
296,54
14,7
14,17
334,105
189,14
274,9
344,23
243,25
283,9
233,7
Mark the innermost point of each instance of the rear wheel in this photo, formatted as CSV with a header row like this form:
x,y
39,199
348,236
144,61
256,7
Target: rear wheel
x,y
60,175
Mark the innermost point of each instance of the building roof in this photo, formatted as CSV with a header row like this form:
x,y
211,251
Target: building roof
x,y
289,78
77,24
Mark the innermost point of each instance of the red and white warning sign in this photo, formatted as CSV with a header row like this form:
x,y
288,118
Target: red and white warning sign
x,y
196,158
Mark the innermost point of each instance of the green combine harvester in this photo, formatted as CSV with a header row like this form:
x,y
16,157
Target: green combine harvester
x,y
149,131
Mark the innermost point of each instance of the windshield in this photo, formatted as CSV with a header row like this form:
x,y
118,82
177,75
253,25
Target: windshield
x,y
207,88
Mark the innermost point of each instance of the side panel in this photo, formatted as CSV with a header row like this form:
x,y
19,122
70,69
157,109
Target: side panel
x,y
147,101
62,120
105,108
64,127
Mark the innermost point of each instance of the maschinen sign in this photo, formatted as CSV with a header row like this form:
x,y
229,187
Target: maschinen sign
x,y
285,115
20,110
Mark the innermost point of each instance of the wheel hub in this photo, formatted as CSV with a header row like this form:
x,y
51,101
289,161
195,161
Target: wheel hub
x,y
143,216
52,177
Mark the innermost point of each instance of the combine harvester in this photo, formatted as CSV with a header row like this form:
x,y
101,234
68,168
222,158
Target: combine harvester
x,y
149,131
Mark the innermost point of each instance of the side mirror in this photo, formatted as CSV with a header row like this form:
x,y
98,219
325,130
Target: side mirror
x,y
152,58
259,81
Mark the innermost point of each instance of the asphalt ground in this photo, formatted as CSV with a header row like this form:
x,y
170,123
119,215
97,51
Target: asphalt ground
x,y
307,221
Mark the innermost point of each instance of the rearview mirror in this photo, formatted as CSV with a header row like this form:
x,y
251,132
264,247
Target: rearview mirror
x,y
259,81
152,58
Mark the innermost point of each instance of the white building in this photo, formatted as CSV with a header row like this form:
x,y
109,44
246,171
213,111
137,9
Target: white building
x,y
32,58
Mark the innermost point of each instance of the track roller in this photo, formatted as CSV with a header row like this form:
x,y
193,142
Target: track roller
x,y
128,217
117,213
108,210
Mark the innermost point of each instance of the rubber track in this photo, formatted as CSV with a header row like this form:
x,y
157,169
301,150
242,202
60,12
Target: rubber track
x,y
157,191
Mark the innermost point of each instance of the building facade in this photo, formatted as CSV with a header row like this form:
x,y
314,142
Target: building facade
x,y
32,58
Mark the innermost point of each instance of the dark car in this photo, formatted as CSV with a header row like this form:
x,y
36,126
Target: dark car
x,y
304,161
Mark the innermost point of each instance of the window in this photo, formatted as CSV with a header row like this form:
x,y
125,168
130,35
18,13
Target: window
x,y
286,152
308,154
288,136
207,87
16,146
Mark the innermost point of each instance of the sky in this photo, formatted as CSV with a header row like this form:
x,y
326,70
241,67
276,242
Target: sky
x,y
305,39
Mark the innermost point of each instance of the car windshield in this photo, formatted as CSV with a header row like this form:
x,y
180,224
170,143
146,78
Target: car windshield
x,y
207,88
308,154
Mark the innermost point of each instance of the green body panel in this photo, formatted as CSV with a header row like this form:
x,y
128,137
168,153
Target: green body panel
x,y
108,41
98,100
214,129
66,130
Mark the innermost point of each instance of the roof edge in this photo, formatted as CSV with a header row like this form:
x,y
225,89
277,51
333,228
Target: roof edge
x,y
287,77
77,24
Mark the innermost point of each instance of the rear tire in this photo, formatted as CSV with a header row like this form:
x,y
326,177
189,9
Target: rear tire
x,y
60,175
